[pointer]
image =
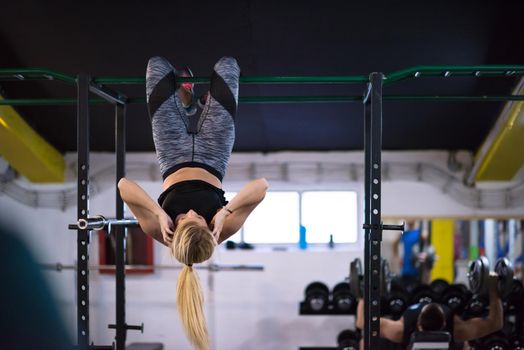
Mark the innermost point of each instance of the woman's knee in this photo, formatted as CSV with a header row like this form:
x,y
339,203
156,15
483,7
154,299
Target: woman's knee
x,y
158,62
157,68
227,66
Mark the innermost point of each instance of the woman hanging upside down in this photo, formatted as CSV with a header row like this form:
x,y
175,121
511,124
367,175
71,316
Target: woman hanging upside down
x,y
192,216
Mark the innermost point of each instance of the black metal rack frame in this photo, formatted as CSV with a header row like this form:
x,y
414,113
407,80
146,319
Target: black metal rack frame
x,y
372,102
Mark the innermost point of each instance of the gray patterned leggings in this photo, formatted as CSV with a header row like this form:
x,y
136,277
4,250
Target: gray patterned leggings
x,y
181,141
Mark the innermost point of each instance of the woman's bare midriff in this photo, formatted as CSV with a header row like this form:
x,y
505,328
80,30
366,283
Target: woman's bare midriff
x,y
185,174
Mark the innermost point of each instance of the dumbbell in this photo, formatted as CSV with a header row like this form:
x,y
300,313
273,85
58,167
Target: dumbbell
x,y
504,270
478,276
423,294
429,260
516,342
478,279
396,302
476,307
356,278
455,297
439,286
343,300
475,345
348,340
496,341
317,297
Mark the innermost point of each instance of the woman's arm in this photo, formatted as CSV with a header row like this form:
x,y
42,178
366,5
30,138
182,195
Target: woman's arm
x,y
152,218
477,327
230,219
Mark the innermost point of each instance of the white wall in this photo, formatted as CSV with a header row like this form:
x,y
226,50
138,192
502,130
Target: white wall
x,y
246,310
255,310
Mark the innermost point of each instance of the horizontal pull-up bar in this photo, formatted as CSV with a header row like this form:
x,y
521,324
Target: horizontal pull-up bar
x,y
35,74
418,71
333,79
276,99
46,74
455,71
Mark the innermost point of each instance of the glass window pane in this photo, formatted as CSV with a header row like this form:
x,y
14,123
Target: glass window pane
x,y
275,220
330,213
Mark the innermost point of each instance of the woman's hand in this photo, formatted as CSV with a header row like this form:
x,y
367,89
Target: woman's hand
x,y
218,222
166,227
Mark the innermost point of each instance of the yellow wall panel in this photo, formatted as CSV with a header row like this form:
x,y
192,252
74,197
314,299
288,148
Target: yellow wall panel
x,y
26,151
443,242
506,154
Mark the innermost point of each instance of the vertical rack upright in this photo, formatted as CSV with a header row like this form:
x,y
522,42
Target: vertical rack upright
x,y
84,86
83,236
372,210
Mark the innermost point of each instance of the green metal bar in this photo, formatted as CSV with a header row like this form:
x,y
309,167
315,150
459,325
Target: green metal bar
x,y
276,99
334,79
47,101
279,99
141,100
481,70
32,73
447,71
140,80
286,99
453,98
338,79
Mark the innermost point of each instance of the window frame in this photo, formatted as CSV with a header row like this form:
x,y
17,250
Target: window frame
x,y
356,246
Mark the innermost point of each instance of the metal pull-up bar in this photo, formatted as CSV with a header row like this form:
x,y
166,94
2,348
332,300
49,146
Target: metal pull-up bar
x,y
98,85
281,99
411,72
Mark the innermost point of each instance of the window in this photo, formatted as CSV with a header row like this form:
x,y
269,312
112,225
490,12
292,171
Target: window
x,y
330,213
323,213
275,220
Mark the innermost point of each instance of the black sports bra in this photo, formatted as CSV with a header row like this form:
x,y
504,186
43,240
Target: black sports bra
x,y
202,197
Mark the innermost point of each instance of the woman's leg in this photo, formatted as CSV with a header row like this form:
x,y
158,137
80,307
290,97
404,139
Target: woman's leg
x,y
168,117
216,128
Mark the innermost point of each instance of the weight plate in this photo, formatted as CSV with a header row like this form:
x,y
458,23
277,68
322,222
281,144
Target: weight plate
x,y
355,278
478,275
504,270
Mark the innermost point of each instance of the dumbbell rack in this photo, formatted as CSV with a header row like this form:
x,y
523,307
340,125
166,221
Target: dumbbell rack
x,y
321,300
331,311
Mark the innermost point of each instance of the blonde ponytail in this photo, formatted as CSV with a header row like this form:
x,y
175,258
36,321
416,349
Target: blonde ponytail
x,y
192,243
190,305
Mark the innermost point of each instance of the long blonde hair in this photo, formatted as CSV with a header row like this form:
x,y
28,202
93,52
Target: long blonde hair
x,y
192,243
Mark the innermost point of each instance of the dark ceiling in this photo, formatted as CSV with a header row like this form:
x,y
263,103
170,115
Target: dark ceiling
x,y
271,38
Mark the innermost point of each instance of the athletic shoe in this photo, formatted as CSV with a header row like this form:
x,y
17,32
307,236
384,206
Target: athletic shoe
x,y
202,100
191,109
186,72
